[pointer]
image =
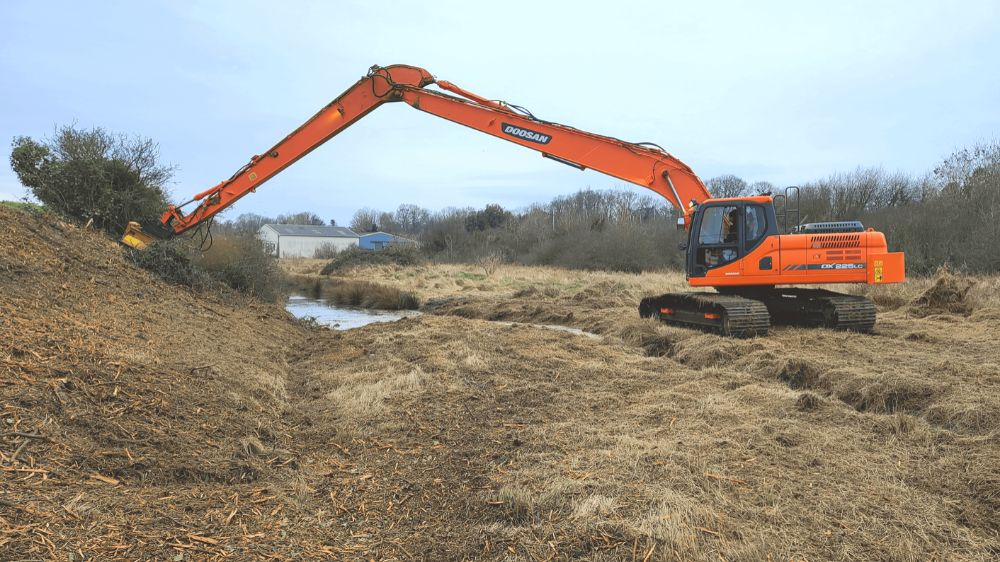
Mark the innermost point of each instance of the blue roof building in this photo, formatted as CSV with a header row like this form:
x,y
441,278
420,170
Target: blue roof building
x,y
376,241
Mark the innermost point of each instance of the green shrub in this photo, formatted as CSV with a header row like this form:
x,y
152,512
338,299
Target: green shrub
x,y
355,257
172,262
23,206
94,175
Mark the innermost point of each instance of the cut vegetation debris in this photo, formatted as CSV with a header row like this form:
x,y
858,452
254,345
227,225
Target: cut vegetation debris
x,y
142,420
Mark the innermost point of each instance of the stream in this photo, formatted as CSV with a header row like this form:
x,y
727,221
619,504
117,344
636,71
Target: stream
x,y
348,317
341,317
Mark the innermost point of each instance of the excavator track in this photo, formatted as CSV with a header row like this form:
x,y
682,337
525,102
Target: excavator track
x,y
729,315
818,308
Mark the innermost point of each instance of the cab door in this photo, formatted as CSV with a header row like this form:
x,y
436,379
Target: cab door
x,y
734,238
714,239
760,240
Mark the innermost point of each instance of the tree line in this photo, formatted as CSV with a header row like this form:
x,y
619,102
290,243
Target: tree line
x,y
947,216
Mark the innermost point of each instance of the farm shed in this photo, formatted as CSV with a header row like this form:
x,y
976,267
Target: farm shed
x,y
302,241
382,240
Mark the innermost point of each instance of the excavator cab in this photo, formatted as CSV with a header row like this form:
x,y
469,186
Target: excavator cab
x,y
724,231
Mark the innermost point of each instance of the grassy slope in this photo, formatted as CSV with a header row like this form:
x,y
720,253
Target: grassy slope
x,y
144,398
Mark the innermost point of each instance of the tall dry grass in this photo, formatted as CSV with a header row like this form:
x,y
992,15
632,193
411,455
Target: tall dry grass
x,y
353,292
238,262
810,444
681,445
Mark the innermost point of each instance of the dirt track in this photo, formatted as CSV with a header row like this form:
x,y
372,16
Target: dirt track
x,y
165,423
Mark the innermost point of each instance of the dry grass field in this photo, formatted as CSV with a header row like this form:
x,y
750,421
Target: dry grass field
x,y
808,444
144,421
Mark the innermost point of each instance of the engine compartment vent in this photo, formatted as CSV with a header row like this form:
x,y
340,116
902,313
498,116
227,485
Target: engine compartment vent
x,y
835,241
829,227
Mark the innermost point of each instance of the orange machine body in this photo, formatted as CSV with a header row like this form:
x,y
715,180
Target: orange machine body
x,y
809,259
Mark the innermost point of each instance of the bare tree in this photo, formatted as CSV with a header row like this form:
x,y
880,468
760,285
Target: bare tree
x,y
365,220
304,217
727,186
411,218
961,166
250,223
490,261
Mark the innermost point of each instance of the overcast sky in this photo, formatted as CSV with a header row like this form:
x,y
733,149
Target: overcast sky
x,y
778,91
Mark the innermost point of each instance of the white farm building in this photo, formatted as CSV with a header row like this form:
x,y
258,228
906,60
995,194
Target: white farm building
x,y
302,241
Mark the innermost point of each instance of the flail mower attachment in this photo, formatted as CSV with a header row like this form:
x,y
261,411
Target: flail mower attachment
x,y
141,236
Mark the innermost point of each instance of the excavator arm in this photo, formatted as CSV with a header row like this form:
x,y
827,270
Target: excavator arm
x,y
642,164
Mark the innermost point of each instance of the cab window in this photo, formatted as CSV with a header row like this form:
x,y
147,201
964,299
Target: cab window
x,y
718,237
755,225
718,226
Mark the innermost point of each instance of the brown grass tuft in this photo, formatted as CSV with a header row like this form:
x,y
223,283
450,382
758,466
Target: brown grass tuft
x,y
949,293
648,335
799,373
883,393
360,293
807,402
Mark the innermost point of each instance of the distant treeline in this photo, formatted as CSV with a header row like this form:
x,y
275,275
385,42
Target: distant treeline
x,y
950,216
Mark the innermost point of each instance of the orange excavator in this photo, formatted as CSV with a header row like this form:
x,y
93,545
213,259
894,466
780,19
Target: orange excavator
x,y
743,247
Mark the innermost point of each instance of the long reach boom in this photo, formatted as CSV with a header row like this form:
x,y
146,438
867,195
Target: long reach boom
x,y
643,164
